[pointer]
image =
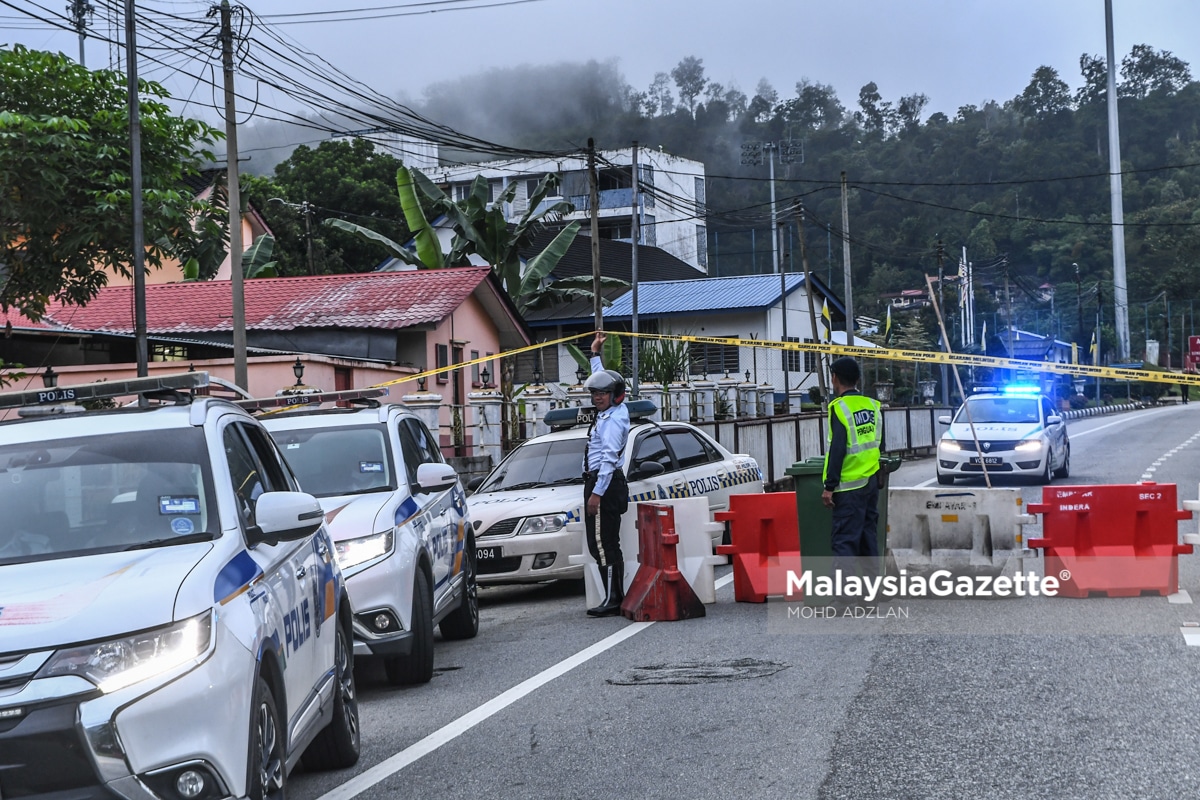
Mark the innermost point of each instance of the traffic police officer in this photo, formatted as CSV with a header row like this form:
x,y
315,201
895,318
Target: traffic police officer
x,y
605,491
851,465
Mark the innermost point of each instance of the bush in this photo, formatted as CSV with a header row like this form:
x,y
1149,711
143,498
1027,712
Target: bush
x,y
1078,401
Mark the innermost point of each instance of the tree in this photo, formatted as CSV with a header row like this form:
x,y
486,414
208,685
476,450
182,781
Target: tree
x,y
875,114
65,183
1047,95
689,79
1146,70
659,100
815,106
763,102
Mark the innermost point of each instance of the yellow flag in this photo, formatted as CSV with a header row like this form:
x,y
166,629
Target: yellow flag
x,y
826,321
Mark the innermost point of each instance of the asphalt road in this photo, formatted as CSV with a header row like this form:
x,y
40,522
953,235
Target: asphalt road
x,y
959,698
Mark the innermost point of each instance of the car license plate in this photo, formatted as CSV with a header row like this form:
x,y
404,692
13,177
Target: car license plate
x,y
488,553
988,460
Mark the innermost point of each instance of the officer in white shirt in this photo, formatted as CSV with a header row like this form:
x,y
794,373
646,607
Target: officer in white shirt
x,y
605,492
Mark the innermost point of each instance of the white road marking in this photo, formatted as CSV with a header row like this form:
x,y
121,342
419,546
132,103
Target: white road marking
x,y
447,733
1191,636
1179,598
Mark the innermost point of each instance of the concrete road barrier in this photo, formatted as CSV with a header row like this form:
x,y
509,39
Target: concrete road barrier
x,y
967,531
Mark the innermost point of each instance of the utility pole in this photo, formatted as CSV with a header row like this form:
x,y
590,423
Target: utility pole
x,y
81,11
1008,301
593,209
941,259
777,265
635,231
306,208
812,309
141,343
237,283
846,263
1099,327
1078,302
1121,301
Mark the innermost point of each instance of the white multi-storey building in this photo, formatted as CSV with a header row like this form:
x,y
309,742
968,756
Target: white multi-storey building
x,y
672,208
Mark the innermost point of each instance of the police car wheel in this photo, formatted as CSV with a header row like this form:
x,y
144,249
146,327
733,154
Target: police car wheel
x,y
463,622
417,666
945,480
337,746
268,767
1064,471
1046,476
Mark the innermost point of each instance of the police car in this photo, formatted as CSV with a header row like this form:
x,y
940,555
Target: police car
x,y
172,621
521,509
398,517
1019,434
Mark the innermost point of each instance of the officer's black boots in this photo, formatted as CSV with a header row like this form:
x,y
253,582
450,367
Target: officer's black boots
x,y
613,579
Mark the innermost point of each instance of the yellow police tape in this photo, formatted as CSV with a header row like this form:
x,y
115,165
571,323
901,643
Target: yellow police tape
x,y
883,353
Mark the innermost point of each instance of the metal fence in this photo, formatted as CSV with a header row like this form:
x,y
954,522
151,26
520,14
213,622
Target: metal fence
x,y
778,442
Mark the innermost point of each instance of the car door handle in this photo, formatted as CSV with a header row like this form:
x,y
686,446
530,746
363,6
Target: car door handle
x,y
301,572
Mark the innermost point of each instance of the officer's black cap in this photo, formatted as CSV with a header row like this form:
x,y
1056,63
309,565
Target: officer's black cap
x,y
847,369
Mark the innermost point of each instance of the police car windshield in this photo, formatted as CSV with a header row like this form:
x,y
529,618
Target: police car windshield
x,y
1014,410
538,464
330,462
70,497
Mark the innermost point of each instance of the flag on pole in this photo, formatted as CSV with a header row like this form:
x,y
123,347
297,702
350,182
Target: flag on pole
x,y
887,328
826,321
1092,347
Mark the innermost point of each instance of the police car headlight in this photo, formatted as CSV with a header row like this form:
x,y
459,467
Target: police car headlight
x,y
546,524
1029,445
352,552
950,444
118,663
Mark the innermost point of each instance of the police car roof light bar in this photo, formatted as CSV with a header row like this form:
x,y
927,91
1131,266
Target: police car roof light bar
x,y
1022,389
560,418
315,398
104,389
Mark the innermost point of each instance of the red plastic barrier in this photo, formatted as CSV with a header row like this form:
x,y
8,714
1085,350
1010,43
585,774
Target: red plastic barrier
x,y
1117,540
764,542
659,591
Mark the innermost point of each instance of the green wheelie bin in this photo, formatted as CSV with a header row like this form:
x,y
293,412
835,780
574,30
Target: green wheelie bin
x,y
814,519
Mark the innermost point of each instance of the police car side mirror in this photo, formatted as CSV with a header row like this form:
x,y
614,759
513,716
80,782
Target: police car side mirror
x,y
285,517
1053,419
435,477
647,469
944,419
475,483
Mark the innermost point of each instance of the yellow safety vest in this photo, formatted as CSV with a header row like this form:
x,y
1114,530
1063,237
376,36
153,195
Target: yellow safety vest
x,y
860,416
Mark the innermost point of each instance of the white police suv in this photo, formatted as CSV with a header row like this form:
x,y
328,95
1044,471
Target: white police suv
x,y
398,517
172,621
1017,432
521,509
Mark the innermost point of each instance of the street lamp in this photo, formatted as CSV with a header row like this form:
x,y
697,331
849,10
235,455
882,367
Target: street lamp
x,y
537,376
50,378
747,376
298,371
485,376
581,375
421,383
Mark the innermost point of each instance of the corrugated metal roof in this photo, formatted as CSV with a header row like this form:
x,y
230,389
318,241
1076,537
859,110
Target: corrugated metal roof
x,y
389,300
660,298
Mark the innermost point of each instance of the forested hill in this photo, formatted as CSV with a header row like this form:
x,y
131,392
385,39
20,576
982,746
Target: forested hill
x,y
1025,176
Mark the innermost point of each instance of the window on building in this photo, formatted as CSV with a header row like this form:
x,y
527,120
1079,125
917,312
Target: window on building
x,y
461,192
701,200
495,188
168,352
812,361
792,360
531,185
702,246
713,359
649,232
442,352
648,185
621,231
475,368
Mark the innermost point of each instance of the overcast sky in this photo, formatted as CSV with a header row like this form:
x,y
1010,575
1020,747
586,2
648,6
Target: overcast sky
x,y
956,52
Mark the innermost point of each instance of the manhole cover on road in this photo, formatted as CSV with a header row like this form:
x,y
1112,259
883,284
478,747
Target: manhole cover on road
x,y
684,672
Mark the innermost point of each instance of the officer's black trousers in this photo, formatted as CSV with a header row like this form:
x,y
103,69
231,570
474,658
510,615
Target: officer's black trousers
x,y
605,546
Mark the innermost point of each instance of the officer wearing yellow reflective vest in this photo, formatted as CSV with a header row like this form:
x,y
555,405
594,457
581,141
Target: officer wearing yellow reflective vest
x,y
850,478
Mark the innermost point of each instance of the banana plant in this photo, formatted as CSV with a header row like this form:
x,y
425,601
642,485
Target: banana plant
x,y
610,354
256,261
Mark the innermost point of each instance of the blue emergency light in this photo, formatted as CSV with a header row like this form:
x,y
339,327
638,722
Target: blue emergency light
x,y
1023,389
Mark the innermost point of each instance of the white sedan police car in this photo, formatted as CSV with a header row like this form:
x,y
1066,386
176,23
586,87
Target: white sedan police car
x,y
172,621
521,509
1016,432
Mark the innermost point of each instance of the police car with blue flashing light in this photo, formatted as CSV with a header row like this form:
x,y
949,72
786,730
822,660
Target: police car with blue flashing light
x,y
521,509
1009,431
398,517
172,621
